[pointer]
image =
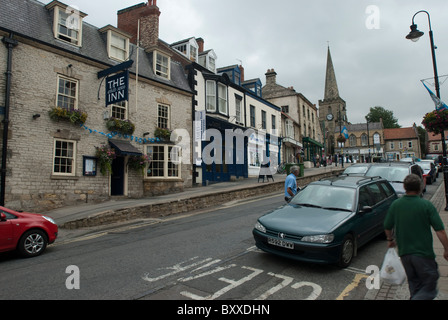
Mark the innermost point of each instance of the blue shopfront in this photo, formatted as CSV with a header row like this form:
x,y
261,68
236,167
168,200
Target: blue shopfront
x,y
228,156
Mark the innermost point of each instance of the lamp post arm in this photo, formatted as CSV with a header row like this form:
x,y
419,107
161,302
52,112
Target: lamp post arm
x,y
427,13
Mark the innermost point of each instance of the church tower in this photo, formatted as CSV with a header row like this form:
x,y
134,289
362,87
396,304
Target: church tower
x,y
332,110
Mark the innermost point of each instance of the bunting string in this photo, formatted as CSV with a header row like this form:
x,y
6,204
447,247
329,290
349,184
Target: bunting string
x,y
120,135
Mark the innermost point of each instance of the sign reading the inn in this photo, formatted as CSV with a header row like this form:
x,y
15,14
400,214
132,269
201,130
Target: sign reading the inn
x,y
117,88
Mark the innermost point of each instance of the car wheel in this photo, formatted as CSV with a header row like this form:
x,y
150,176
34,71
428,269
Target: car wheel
x,y
347,251
32,243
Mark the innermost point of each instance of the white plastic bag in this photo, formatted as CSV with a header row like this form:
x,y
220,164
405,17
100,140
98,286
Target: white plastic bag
x,y
392,270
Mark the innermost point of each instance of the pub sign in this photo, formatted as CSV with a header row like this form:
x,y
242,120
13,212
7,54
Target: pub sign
x,y
117,88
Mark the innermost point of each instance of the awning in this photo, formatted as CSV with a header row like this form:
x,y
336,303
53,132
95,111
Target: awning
x,y
124,148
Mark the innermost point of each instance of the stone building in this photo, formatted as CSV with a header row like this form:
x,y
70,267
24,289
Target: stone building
x,y
402,143
434,146
301,131
57,66
365,142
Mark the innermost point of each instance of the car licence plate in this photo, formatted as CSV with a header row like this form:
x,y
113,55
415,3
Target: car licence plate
x,y
281,243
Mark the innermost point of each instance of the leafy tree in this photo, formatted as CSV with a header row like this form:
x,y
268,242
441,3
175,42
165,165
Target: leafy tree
x,y
389,121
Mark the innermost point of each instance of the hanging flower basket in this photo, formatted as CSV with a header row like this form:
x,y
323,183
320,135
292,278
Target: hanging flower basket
x,y
436,121
138,163
105,155
121,126
341,139
76,117
162,134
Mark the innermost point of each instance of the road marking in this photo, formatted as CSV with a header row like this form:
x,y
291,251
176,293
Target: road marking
x,y
232,284
351,286
285,283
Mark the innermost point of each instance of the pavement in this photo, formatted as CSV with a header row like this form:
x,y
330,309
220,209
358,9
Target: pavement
x,y
386,291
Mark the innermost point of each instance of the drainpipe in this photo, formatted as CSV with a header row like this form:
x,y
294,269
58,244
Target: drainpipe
x,y
10,43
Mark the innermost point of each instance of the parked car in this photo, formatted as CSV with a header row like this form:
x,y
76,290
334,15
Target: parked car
x,y
358,168
436,165
429,170
395,172
438,159
328,220
28,233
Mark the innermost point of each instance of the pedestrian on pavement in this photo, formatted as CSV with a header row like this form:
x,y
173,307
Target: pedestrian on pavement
x,y
410,219
291,187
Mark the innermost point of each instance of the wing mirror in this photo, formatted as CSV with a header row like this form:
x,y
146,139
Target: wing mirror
x,y
2,217
366,209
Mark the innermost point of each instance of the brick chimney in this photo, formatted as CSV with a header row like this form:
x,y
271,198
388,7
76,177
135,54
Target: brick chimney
x,y
242,73
200,42
148,13
271,77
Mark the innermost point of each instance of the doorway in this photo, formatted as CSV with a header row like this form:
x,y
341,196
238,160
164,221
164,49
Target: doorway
x,y
117,177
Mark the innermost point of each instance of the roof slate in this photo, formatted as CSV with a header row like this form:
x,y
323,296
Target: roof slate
x,y
30,19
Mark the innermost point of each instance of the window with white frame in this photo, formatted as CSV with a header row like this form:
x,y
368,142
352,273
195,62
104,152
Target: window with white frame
x,y
67,97
68,26
193,53
273,124
392,146
162,65
162,164
211,96
289,129
163,117
410,144
211,64
238,109
222,98
119,110
64,157
118,46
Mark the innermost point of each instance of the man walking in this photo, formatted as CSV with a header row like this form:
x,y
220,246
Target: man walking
x,y
291,183
412,218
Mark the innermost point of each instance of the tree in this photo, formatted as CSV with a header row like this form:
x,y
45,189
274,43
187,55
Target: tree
x,y
389,121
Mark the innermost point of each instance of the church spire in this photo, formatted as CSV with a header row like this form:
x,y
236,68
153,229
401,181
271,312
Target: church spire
x,y
331,86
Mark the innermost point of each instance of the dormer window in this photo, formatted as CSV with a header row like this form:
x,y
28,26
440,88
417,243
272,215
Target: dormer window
x,y
253,85
233,72
207,59
67,23
161,65
189,48
117,43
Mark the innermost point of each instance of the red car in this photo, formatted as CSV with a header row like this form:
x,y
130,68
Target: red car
x,y
28,233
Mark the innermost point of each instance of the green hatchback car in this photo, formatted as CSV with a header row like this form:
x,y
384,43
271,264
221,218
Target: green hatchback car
x,y
328,220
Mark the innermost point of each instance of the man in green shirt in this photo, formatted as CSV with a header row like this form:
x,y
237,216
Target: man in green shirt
x,y
412,217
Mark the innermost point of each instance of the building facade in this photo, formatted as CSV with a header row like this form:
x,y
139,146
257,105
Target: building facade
x,y
365,142
236,129
402,143
435,144
301,131
58,118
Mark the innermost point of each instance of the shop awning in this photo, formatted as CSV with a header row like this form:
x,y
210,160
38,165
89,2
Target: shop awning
x,y
124,148
309,141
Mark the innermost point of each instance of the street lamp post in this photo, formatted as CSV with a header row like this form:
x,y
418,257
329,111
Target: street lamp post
x,y
415,35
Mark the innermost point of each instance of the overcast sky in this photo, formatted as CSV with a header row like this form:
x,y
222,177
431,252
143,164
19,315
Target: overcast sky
x,y
375,65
